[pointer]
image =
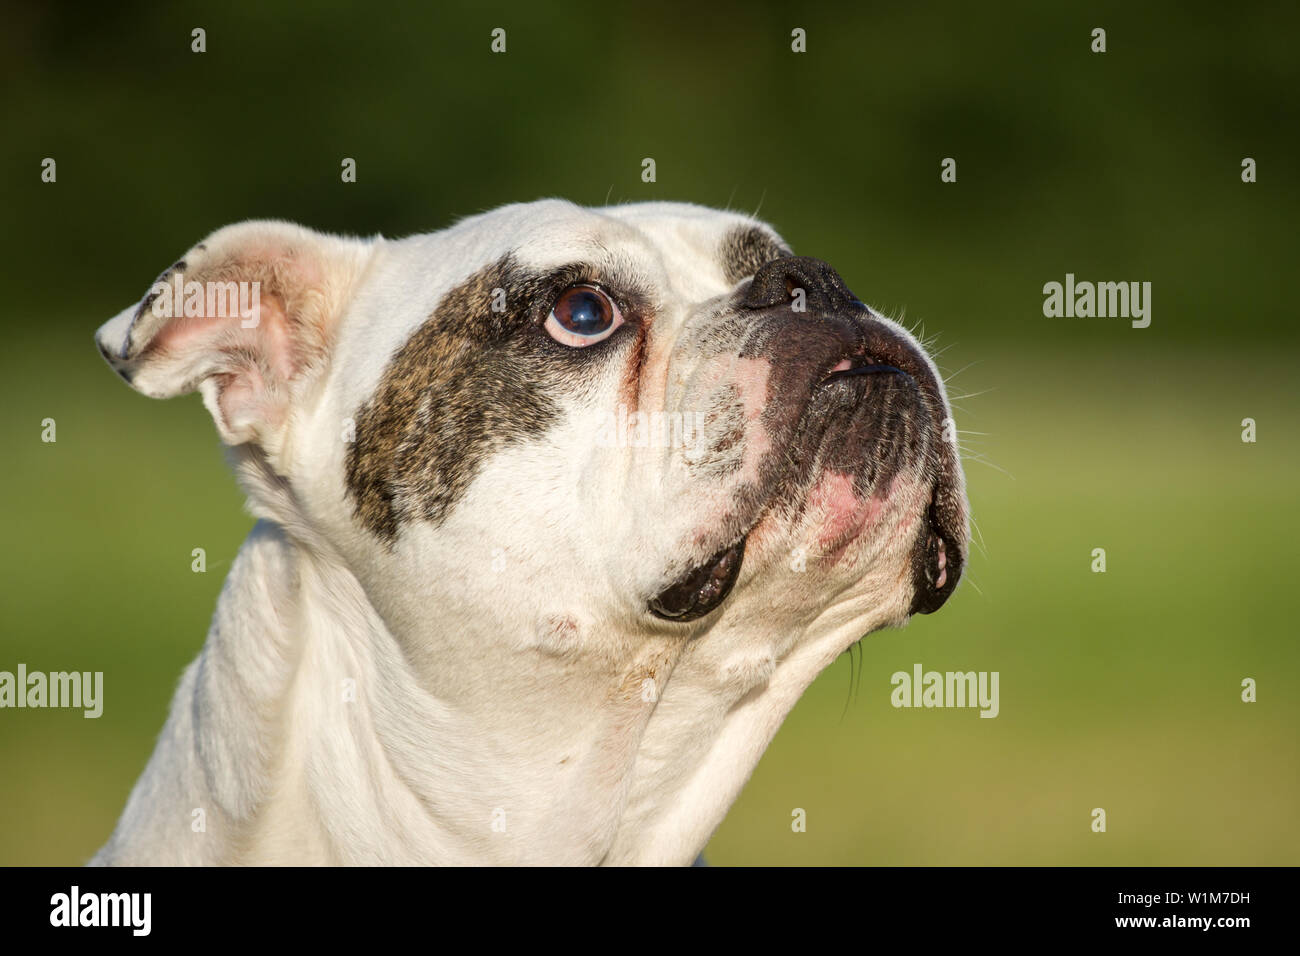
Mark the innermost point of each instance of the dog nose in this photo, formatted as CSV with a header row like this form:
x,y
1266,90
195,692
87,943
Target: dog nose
x,y
776,283
834,339
806,299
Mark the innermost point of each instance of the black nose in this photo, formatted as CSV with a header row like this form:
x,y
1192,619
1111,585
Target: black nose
x,y
776,282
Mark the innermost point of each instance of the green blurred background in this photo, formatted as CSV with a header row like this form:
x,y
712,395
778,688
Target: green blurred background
x,y
1118,690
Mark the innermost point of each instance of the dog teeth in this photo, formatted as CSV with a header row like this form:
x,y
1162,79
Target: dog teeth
x,y
940,576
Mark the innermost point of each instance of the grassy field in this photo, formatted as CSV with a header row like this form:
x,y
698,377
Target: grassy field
x,y
1118,690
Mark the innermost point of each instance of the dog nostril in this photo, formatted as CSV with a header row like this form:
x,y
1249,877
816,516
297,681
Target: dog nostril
x,y
799,278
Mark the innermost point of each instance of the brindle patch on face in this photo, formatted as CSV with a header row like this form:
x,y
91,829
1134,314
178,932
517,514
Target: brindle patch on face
x,y
467,383
746,248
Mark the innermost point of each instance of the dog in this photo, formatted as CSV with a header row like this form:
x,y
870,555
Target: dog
x,y
560,510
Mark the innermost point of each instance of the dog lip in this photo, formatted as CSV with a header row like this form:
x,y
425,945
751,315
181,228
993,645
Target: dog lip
x,y
858,364
937,563
703,588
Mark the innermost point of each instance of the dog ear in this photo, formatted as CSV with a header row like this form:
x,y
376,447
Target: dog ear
x,y
247,317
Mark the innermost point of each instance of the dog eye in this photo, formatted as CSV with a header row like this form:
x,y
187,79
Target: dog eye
x,y
582,316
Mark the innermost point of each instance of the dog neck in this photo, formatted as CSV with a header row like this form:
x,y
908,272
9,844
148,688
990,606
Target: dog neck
x,y
307,732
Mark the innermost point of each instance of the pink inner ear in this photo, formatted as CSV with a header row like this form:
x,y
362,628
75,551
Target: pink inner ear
x,y
252,365
265,333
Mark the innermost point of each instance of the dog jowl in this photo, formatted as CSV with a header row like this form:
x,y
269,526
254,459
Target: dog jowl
x,y
469,626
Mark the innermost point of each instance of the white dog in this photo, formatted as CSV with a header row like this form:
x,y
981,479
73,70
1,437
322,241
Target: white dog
x,y
561,511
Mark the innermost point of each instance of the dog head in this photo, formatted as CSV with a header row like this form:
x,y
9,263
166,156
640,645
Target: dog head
x,y
640,466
